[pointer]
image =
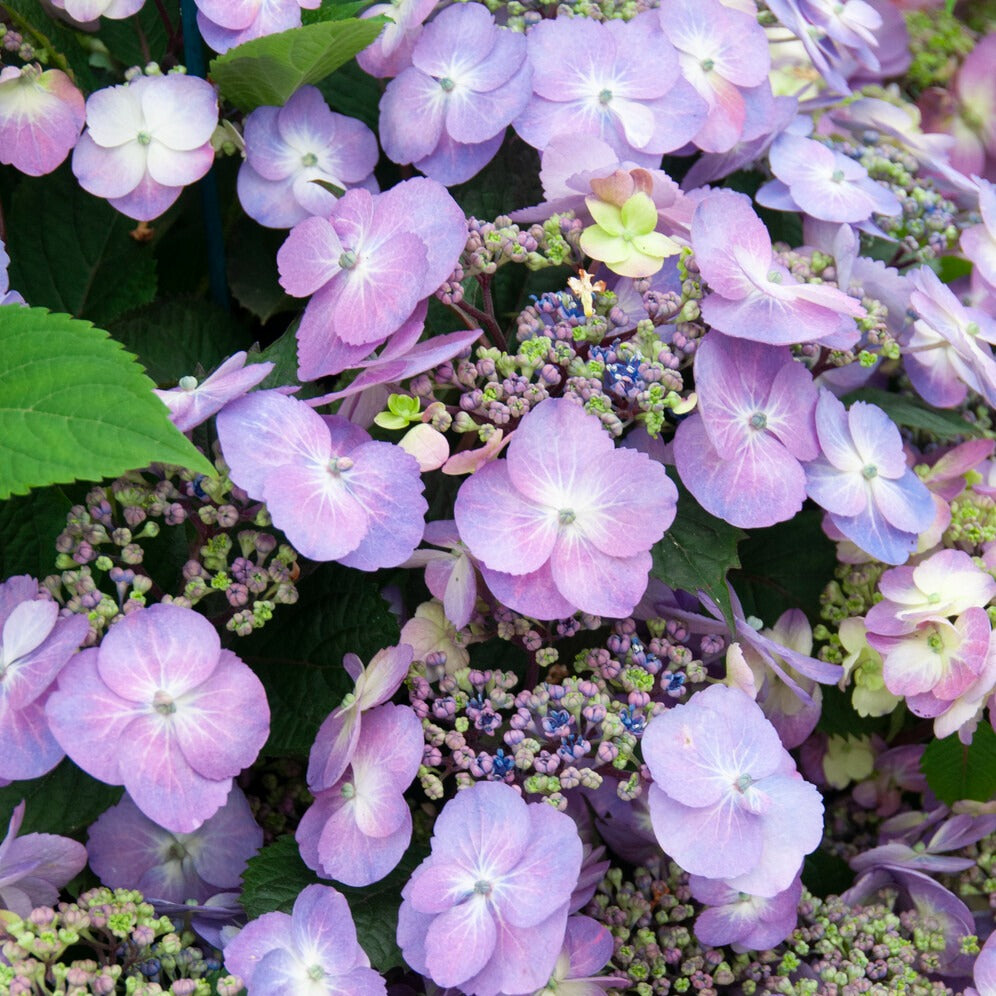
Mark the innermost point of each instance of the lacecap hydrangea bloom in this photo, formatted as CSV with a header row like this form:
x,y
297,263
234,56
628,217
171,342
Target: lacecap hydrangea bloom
x,y
223,24
567,521
487,910
145,141
727,802
160,708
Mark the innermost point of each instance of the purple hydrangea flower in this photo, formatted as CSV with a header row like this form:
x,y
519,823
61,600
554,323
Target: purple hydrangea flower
x,y
447,112
862,480
984,972
223,24
337,494
35,645
368,265
7,296
622,84
190,403
313,950
391,51
87,11
813,179
449,572
160,708
288,148
357,830
949,348
129,851
568,520
721,51
752,297
487,910
978,242
740,453
588,945
747,923
726,801
145,141
41,117
33,868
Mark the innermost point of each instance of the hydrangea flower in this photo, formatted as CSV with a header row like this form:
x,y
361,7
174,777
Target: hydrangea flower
x,y
740,453
357,830
622,85
368,265
129,851
726,801
288,148
145,141
813,179
337,494
223,24
566,522
391,51
624,236
978,242
949,348
312,950
448,111
86,11
487,910
449,572
190,403
160,708
7,296
41,117
752,297
746,922
33,868
35,645
862,480
338,736
721,51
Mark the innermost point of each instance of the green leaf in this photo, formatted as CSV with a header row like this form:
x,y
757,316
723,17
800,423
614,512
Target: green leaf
x,y
141,38
45,32
951,268
275,877
334,10
696,553
75,406
353,92
785,567
914,414
177,337
65,801
955,771
71,252
298,654
252,271
29,525
268,70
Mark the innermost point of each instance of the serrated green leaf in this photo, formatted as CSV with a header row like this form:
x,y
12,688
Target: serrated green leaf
x,y
45,32
914,414
697,552
29,525
266,71
955,771
71,252
65,801
75,406
177,337
334,10
275,877
298,654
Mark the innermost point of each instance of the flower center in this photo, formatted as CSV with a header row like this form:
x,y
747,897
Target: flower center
x,y
870,472
707,65
566,516
163,703
338,464
743,783
837,176
482,887
176,852
347,260
144,138
349,791
604,97
447,84
188,383
759,421
316,972
309,159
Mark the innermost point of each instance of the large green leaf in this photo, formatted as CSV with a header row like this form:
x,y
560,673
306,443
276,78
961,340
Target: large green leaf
x,y
71,252
29,525
75,406
65,801
955,771
276,876
697,552
353,92
178,337
914,414
268,70
298,654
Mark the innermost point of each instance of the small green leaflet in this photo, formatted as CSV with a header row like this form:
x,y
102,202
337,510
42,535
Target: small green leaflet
x,y
912,413
697,552
75,406
266,71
